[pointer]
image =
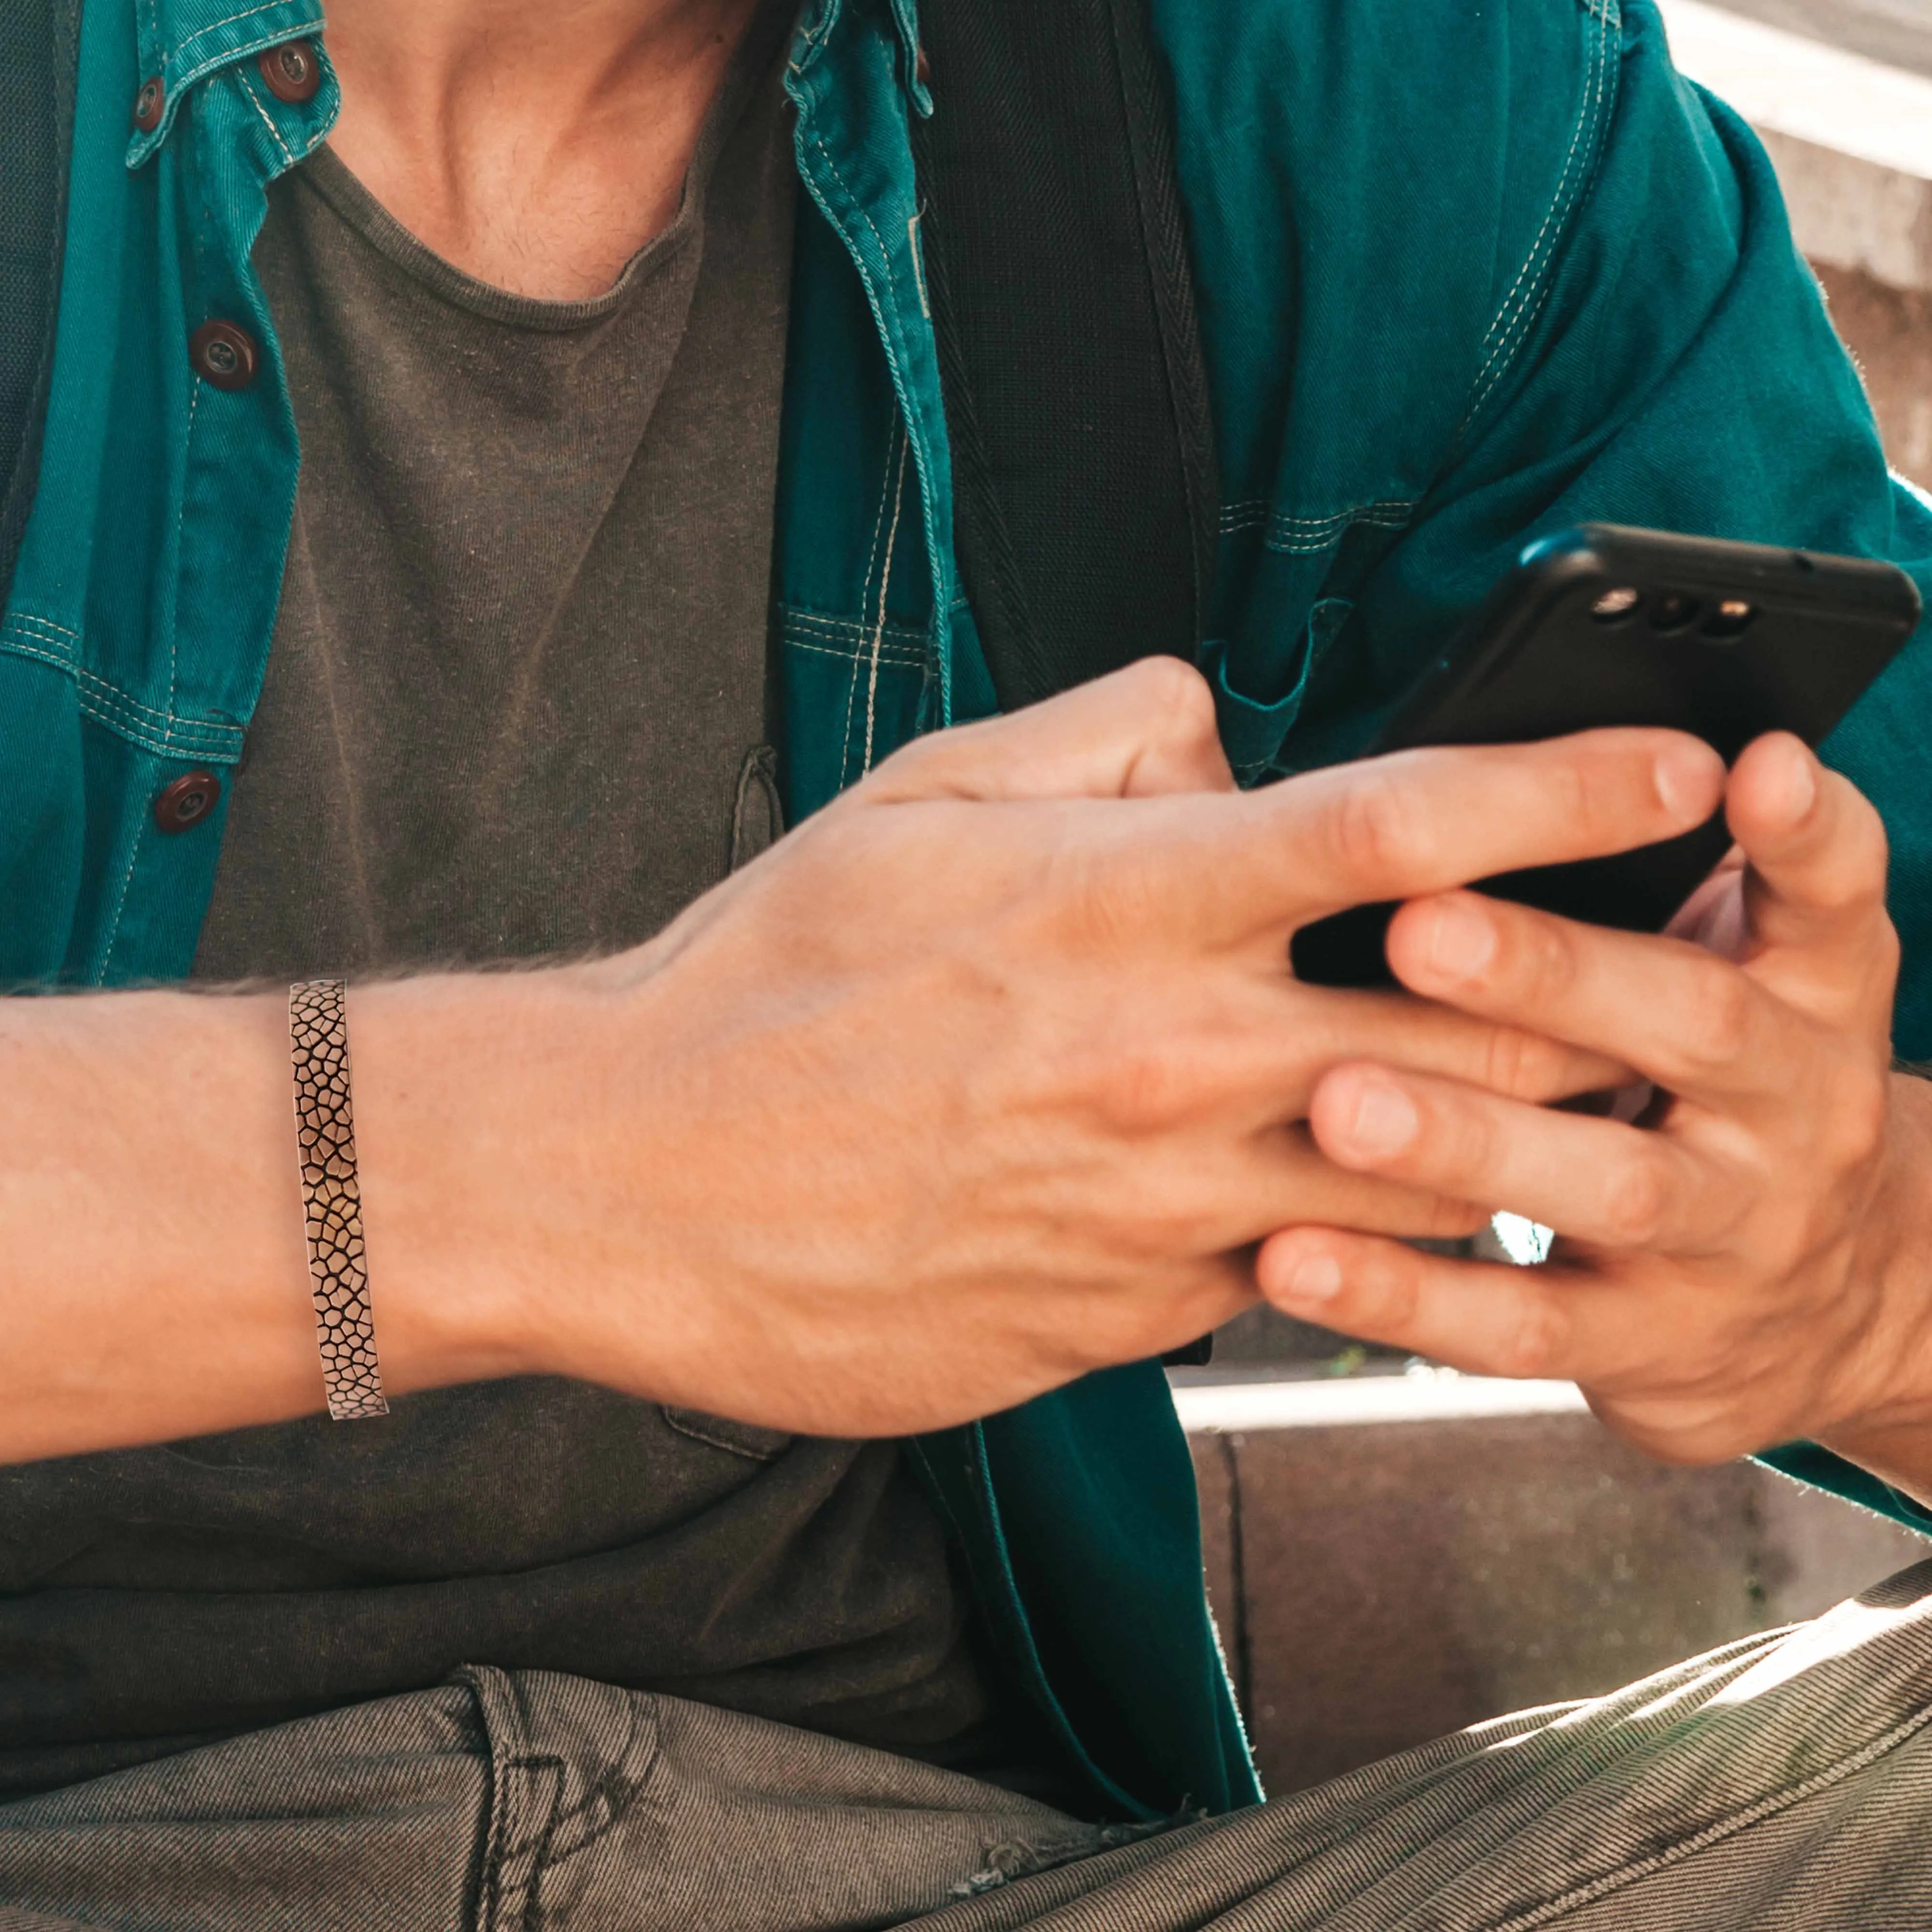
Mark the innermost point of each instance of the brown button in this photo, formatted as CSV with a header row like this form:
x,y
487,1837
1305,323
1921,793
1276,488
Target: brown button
x,y
150,104
922,68
224,355
187,801
292,72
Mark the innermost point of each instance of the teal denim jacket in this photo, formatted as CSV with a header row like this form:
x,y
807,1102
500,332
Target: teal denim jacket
x,y
1465,275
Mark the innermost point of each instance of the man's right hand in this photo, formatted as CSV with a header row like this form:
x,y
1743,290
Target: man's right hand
x,y
990,1073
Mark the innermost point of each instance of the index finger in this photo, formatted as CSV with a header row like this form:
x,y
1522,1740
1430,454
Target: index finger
x,y
1426,821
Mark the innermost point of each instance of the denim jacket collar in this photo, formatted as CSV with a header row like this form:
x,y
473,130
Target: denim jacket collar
x,y
183,41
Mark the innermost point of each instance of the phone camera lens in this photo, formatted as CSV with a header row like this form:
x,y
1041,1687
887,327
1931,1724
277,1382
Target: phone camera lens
x,y
1614,606
1674,611
1729,621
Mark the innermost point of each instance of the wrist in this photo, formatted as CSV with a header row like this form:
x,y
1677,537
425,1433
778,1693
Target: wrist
x,y
451,1074
497,1124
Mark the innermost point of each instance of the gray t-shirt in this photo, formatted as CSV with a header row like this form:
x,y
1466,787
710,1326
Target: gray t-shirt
x,y
516,704
519,669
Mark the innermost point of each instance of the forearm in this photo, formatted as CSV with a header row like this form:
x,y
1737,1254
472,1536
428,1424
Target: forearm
x,y
153,1279
967,1087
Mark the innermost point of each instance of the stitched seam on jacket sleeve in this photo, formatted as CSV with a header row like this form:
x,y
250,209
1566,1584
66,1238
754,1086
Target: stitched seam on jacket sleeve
x,y
1515,319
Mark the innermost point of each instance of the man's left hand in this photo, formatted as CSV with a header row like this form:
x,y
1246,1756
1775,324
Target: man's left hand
x,y
1750,1262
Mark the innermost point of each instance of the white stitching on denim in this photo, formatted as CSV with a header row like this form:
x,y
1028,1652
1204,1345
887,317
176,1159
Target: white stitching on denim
x,y
137,722
1609,19
21,620
181,527
899,644
896,360
1237,517
894,660
885,582
859,631
120,899
1313,543
1498,341
21,649
871,564
1533,311
918,261
878,241
1259,506
143,145
1583,115
230,20
268,120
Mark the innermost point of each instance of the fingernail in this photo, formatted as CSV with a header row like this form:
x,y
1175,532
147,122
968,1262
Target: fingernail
x,y
1314,1278
1385,1120
1463,943
1689,781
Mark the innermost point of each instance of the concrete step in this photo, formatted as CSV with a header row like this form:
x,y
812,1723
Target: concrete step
x,y
1896,32
1393,1557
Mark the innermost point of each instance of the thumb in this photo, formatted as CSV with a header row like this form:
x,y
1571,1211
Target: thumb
x,y
1139,732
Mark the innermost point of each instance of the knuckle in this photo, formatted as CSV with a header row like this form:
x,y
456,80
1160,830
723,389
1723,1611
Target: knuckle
x,y
1509,1062
1529,1347
1176,691
1379,829
1387,1292
1524,1065
1138,1086
1588,796
1466,1140
1545,956
1117,896
1636,1195
1446,1219
1719,1013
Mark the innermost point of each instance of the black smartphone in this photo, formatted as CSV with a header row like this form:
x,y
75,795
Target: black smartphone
x,y
1605,626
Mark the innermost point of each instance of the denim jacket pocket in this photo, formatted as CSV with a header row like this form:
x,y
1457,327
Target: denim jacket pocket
x,y
1254,729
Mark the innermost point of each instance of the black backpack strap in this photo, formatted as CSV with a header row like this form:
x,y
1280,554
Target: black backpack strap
x,y
40,56
1056,263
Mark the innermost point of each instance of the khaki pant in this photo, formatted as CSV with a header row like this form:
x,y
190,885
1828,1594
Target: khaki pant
x,y
1783,1784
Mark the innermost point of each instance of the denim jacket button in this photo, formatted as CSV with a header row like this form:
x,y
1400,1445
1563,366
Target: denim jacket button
x,y
291,72
223,354
187,801
150,104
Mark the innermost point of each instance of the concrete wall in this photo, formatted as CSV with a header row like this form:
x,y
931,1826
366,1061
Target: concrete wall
x,y
1379,1583
1889,333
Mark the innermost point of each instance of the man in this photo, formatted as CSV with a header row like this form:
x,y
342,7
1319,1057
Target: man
x,y
766,1530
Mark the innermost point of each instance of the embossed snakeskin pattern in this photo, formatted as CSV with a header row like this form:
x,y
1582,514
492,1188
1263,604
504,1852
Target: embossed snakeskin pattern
x,y
332,1198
